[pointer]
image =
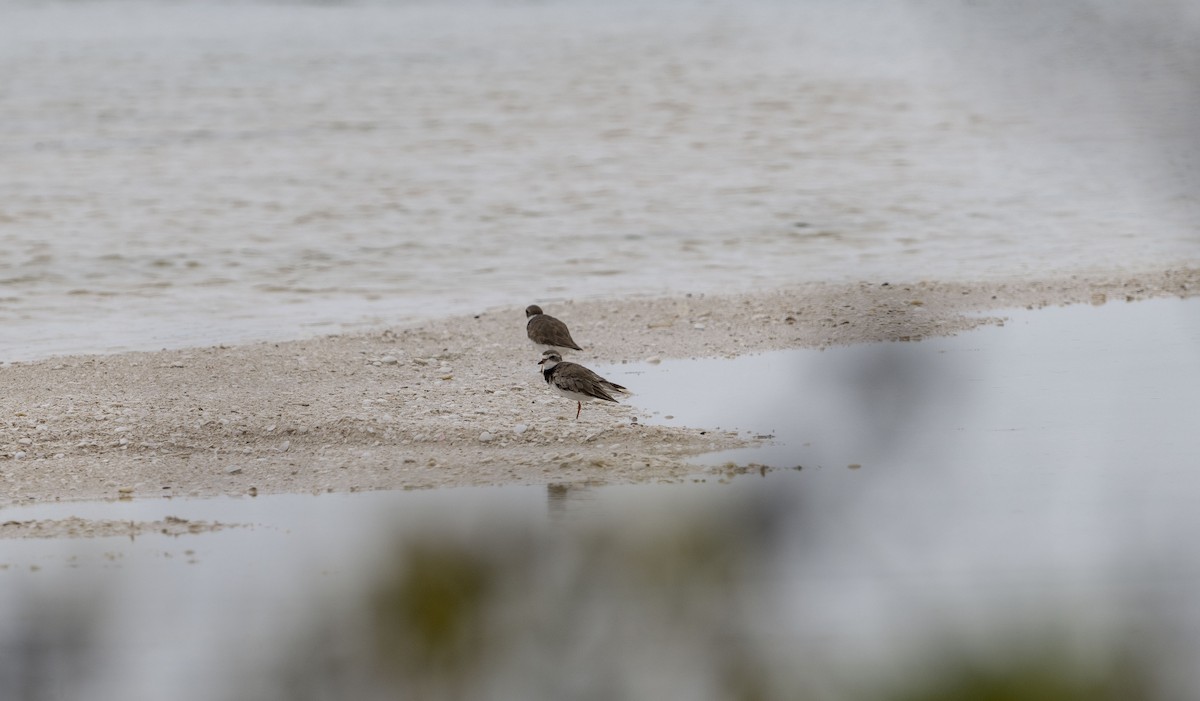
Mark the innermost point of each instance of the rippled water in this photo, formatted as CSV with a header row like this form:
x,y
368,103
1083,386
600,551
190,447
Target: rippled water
x,y
186,173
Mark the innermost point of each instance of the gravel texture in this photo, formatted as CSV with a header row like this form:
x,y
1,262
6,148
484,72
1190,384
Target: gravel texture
x,y
451,402
76,527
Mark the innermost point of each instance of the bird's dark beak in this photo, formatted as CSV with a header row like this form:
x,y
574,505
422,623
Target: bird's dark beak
x,y
542,361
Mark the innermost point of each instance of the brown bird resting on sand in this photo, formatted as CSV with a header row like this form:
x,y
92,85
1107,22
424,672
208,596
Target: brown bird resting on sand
x,y
545,330
576,382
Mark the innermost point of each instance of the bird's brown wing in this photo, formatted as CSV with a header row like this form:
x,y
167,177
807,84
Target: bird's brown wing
x,y
550,332
614,387
576,378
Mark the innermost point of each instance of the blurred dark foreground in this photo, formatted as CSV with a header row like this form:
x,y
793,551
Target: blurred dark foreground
x,y
669,603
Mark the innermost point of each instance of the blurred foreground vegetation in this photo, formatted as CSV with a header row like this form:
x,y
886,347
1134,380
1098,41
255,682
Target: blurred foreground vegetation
x,y
669,604
673,606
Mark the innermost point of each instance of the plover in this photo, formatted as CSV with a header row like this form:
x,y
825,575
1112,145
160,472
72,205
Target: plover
x,y
576,382
545,330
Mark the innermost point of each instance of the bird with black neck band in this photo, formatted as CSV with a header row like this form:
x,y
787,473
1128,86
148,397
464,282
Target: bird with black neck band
x,y
576,382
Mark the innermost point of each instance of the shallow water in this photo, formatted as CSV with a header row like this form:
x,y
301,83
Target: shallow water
x,y
1063,386
182,173
1008,476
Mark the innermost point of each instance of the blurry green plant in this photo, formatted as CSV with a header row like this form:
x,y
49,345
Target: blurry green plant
x,y
663,608
429,617
1042,671
667,605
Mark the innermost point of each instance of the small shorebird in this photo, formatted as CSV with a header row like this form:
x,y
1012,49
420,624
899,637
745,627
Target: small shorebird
x,y
576,382
545,330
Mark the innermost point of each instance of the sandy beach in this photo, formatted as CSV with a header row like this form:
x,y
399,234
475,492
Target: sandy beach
x,y
448,403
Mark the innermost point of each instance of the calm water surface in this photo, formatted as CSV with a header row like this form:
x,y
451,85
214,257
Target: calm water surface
x,y
1011,475
183,173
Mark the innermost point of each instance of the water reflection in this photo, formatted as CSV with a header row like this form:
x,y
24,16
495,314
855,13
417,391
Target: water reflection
x,y
740,591
1059,388
1040,503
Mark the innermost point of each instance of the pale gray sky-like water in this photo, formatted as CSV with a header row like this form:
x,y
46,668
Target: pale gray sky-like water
x,y
1009,479
189,173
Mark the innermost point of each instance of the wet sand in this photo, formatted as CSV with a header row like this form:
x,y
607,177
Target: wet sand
x,y
75,527
448,403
